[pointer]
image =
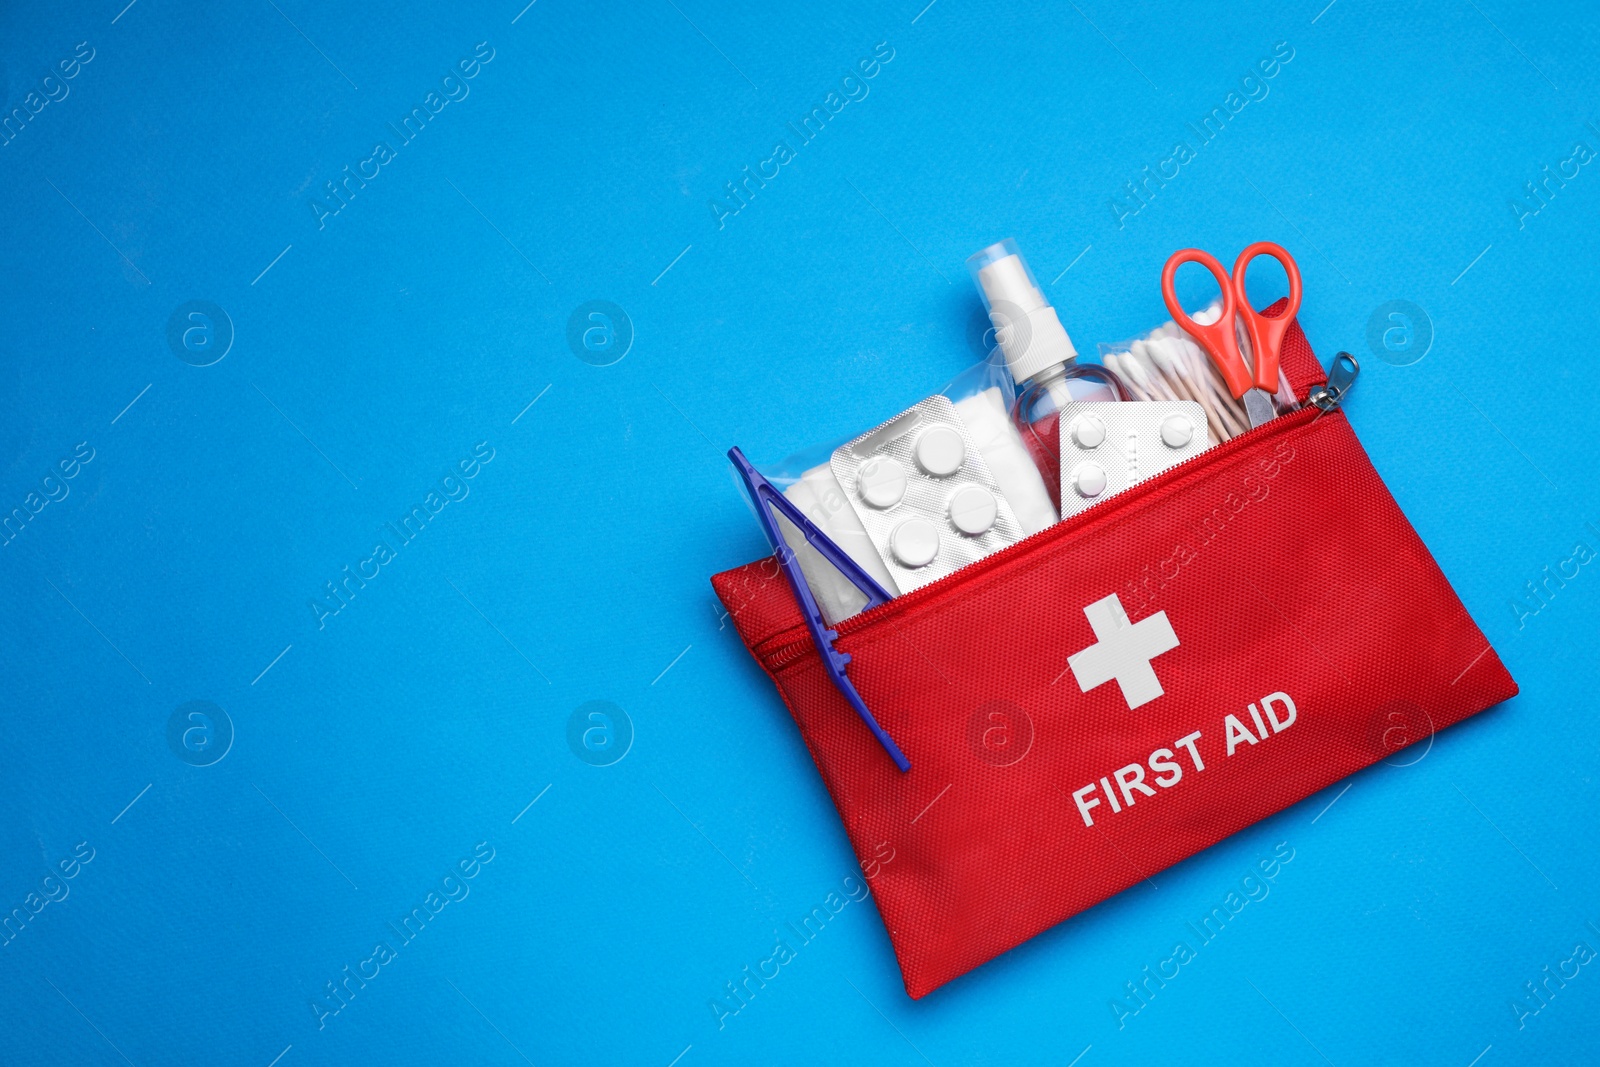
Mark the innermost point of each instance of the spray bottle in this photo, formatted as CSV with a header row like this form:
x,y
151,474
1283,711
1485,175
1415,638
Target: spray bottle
x,y
1038,353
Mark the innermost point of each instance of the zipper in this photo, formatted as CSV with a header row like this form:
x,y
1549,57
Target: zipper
x,y
1341,378
783,648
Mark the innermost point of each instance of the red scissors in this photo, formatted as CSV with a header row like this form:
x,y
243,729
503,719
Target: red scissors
x,y
1254,386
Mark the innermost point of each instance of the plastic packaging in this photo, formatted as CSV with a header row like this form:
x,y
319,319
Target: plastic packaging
x,y
924,494
983,396
1168,364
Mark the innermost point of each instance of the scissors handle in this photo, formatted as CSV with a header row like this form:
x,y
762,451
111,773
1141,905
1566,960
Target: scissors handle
x,y
1218,339
1266,335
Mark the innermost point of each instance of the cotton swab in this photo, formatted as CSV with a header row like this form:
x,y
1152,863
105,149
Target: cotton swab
x,y
1111,363
1157,384
1133,374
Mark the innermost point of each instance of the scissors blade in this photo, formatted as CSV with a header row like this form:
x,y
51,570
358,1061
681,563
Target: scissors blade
x,y
1258,407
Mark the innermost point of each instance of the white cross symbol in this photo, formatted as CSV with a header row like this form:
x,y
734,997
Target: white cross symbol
x,y
1123,651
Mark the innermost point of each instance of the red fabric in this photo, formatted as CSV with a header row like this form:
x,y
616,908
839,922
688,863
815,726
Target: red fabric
x,y
1283,566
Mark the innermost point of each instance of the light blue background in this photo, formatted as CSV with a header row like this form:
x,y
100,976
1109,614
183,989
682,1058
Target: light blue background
x,y
423,319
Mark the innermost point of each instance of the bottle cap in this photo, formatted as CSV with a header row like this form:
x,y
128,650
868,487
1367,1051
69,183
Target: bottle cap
x,y
1027,327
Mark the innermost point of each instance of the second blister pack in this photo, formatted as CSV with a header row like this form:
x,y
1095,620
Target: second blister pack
x,y
1108,447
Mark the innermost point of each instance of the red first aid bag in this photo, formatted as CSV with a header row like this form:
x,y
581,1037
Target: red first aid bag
x,y
1132,685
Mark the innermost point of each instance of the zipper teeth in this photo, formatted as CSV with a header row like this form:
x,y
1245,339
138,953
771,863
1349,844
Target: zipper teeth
x,y
792,644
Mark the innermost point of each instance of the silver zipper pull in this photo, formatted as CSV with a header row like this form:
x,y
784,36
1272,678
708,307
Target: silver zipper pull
x,y
1341,378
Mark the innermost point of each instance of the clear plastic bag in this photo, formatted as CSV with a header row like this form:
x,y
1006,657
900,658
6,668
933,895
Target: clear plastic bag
x,y
1168,364
984,396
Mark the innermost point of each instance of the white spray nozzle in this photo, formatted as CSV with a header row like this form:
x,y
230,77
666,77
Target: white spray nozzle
x,y
1027,327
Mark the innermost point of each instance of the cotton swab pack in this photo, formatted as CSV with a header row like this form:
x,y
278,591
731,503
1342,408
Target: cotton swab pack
x,y
1167,364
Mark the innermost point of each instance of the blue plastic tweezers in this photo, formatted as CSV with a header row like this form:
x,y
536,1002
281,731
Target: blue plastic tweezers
x,y
765,496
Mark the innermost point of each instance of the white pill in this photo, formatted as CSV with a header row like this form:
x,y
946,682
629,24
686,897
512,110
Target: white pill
x,y
1088,431
1176,431
915,542
881,482
940,451
973,510
1089,479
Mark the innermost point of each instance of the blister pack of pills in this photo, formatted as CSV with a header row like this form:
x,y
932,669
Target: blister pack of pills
x,y
928,501
1108,447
